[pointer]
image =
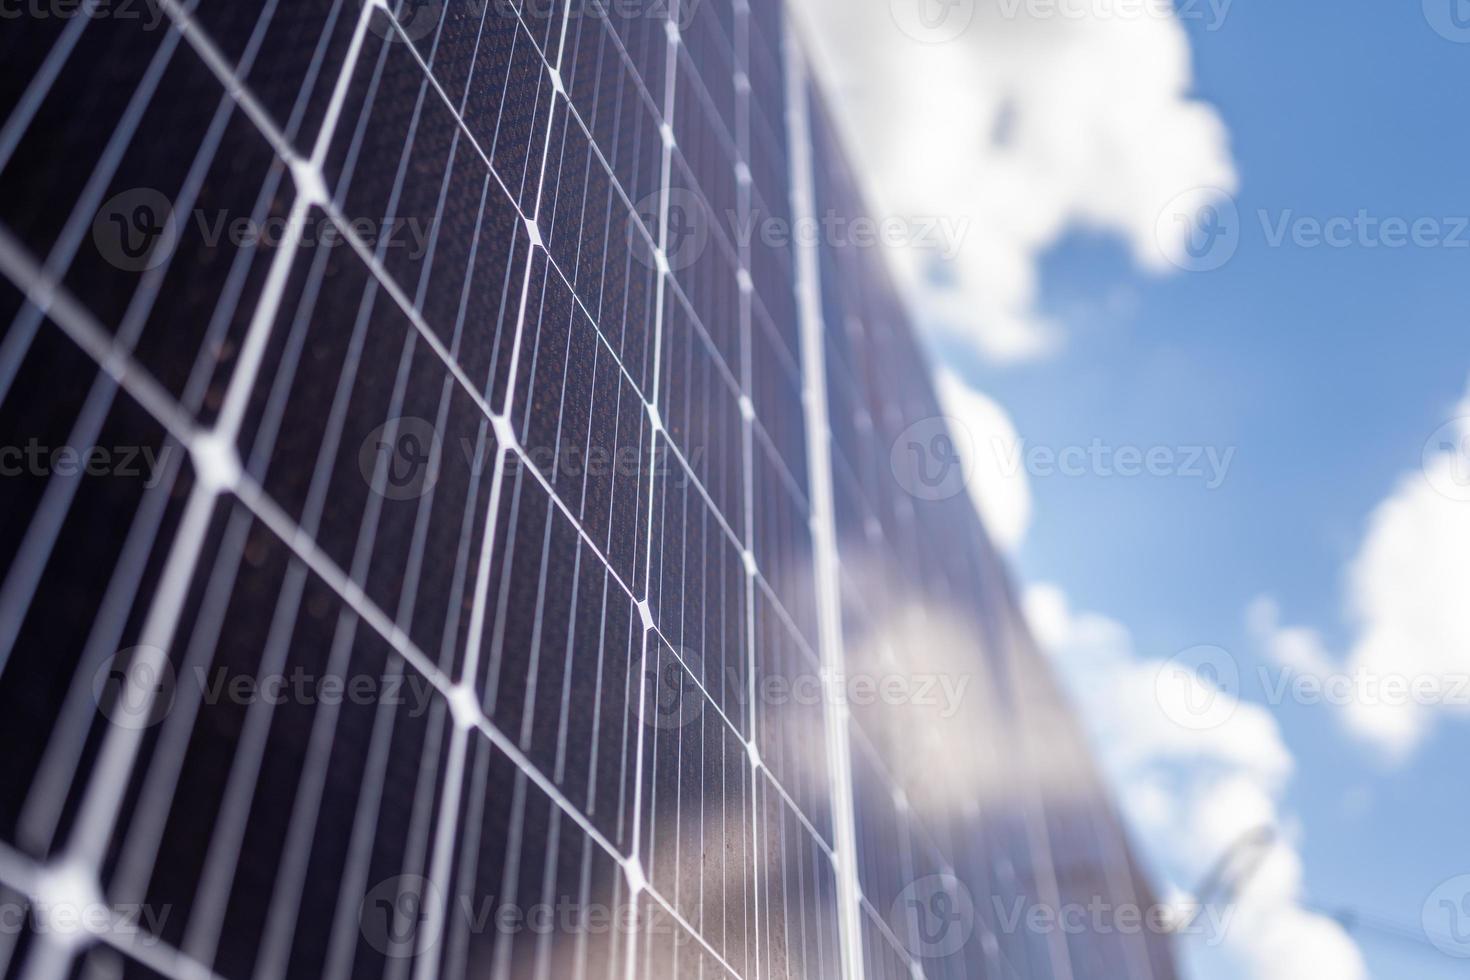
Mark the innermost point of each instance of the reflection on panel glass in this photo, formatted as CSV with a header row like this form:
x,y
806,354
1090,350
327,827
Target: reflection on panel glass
x,y
986,846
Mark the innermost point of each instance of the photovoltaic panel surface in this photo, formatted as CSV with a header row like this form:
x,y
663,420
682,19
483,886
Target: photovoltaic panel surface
x,y
969,808
439,536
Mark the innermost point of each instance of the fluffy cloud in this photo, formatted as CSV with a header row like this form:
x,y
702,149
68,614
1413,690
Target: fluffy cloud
x,y
1001,492
1294,648
1037,119
1406,590
1192,792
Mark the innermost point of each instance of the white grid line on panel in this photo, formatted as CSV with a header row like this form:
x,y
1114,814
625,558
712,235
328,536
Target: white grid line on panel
x,y
665,280
77,324
753,582
63,755
120,747
40,535
1043,864
456,954
227,472
637,875
409,307
142,846
73,233
24,110
449,810
26,878
888,936
824,531
279,932
445,844
741,56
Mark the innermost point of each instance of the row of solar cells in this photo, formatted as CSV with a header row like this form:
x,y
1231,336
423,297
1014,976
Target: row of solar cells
x,y
247,816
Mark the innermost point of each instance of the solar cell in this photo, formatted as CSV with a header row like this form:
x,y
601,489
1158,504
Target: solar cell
x,y
442,535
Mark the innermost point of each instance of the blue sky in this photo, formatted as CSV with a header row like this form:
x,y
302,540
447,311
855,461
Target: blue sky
x,y
1071,137
1326,368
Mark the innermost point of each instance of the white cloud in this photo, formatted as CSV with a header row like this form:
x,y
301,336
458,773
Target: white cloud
x,y
1406,600
1036,120
987,440
1292,647
1191,793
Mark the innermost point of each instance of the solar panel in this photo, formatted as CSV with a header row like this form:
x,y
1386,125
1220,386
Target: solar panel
x,y
437,538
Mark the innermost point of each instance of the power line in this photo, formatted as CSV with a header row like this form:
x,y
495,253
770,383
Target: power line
x,y
1235,869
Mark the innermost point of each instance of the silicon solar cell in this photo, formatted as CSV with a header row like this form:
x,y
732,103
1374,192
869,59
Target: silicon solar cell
x,y
448,536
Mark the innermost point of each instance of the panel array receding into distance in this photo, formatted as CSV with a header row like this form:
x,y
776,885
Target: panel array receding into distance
x,y
435,530
979,800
